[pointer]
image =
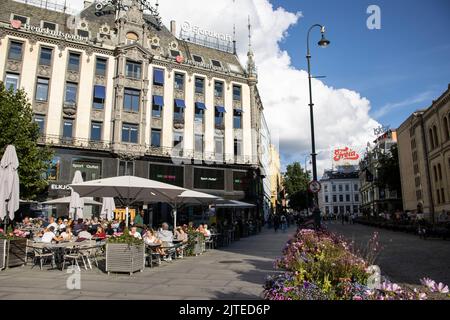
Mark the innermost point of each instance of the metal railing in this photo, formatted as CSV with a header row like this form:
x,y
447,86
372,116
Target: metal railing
x,y
50,5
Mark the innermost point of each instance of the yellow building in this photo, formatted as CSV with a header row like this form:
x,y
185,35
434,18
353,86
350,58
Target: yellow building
x,y
275,178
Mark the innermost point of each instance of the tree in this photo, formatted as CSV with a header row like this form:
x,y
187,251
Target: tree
x,y
19,129
296,181
389,170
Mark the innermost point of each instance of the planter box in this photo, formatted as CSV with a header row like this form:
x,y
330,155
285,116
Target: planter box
x,y
13,253
121,257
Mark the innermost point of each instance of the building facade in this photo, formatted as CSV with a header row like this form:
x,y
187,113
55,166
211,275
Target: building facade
x,y
376,199
340,193
276,182
120,94
424,156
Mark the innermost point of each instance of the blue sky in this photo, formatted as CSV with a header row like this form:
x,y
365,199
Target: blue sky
x,y
399,68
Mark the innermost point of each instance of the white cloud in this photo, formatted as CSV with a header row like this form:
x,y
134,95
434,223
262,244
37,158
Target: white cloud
x,y
341,115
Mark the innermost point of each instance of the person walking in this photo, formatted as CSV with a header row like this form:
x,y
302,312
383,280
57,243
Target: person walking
x,y
283,223
276,223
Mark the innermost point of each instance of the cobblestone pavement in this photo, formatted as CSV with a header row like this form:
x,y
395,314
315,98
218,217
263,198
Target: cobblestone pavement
x,y
235,273
404,257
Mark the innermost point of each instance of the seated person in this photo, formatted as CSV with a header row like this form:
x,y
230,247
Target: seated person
x,y
61,225
78,227
135,233
84,234
165,235
181,235
49,235
206,231
26,222
52,223
151,239
100,234
67,235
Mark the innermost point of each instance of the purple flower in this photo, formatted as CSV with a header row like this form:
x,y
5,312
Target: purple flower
x,y
441,288
428,283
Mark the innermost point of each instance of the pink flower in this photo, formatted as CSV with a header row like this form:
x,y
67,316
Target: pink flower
x,y
428,283
441,288
357,297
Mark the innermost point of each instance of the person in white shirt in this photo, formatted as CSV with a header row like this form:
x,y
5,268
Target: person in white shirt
x,y
67,235
134,233
52,223
206,231
84,234
49,235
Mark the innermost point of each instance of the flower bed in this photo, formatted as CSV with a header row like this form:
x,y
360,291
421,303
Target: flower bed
x,y
13,249
320,265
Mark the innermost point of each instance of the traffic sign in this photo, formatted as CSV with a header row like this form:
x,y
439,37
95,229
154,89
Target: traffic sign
x,y
315,186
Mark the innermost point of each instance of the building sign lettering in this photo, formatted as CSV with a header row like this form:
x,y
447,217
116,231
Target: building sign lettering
x,y
48,32
187,27
345,154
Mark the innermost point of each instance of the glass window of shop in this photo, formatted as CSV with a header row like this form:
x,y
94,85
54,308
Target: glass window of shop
x,y
126,168
240,181
167,174
209,179
90,169
52,173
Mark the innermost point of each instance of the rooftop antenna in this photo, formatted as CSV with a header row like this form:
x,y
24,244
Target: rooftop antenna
x,y
234,39
249,35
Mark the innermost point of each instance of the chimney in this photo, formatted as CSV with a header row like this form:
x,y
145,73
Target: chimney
x,y
87,3
173,27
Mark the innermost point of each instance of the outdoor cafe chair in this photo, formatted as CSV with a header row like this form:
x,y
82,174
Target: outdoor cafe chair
x,y
41,255
152,256
73,254
89,250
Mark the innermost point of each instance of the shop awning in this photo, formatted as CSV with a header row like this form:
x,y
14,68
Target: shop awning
x,y
200,105
220,109
180,103
158,101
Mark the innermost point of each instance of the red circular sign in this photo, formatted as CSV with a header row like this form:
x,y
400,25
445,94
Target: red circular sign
x,y
315,186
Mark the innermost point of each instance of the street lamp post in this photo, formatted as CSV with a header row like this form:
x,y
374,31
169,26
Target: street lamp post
x,y
322,43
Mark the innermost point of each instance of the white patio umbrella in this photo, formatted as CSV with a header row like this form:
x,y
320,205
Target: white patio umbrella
x,y
108,208
9,184
129,189
76,205
66,200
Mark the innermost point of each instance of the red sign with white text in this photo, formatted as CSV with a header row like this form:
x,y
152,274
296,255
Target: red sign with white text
x,y
345,154
16,24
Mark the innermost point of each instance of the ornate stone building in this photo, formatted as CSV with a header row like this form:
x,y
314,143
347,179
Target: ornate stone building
x,y
117,93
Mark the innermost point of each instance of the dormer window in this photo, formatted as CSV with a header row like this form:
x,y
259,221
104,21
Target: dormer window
x,y
216,63
174,53
198,59
132,37
49,25
22,19
83,33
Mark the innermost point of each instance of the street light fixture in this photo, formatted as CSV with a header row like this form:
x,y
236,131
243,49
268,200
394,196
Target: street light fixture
x,y
322,43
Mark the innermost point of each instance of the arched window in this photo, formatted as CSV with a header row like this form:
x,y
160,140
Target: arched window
x,y
440,172
132,37
431,139
435,135
446,129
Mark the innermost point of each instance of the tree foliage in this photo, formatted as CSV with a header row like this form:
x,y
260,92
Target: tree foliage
x,y
296,181
19,129
389,170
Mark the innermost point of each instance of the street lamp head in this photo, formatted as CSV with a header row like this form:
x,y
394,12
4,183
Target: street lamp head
x,y
323,42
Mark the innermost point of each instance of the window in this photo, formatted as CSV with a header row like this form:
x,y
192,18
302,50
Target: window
x,y
435,135
216,63
90,169
74,61
158,77
15,50
199,85
347,187
68,128
355,209
347,197
219,116
100,67
22,19
237,147
209,179
356,197
45,57
240,181
96,131
334,188
199,111
341,198
178,139
198,143
42,89
167,174
156,138
442,195
237,92
340,188
334,198
326,199
439,172
134,70
446,129
83,33
126,168
178,109
99,97
218,89
49,25
438,196
131,100
131,37
129,133
355,187
218,145
158,103
197,58
179,81
430,133
40,121
325,188
435,173
237,119
12,81
71,93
